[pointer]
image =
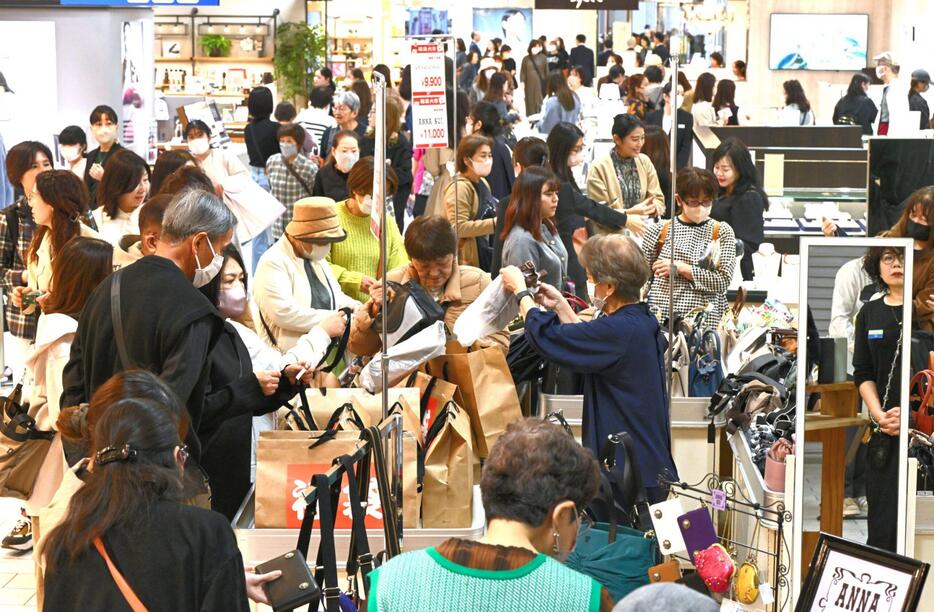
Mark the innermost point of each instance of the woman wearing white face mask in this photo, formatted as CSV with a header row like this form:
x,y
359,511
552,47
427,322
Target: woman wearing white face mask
x,y
468,203
331,180
218,164
72,145
704,252
296,290
104,128
355,261
291,175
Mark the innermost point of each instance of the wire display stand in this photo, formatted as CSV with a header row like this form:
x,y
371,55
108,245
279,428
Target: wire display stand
x,y
772,517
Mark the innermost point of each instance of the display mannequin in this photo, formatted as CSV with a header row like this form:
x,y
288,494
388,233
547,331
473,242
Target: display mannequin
x,y
766,262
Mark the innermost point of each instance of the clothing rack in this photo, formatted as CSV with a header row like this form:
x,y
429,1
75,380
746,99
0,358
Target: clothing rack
x,y
772,516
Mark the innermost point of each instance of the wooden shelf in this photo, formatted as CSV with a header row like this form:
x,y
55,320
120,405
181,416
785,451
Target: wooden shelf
x,y
215,60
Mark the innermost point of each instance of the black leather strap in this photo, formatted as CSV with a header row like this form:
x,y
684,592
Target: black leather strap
x,y
634,487
117,319
359,557
304,532
327,557
387,503
337,414
339,343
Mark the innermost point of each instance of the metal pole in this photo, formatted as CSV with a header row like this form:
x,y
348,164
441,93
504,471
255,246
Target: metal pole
x,y
673,160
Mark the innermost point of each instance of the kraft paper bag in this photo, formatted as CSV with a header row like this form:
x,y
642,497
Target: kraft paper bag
x,y
324,402
487,388
447,491
284,467
411,494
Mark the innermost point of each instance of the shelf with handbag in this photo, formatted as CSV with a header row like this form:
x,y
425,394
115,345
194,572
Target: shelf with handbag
x,y
742,555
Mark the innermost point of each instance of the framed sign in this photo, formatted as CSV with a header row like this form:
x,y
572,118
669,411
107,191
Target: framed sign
x,y
845,575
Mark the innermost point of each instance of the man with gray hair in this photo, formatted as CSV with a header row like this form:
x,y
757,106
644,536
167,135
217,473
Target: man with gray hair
x,y
151,315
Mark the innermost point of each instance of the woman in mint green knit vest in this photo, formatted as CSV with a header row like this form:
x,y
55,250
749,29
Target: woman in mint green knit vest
x,y
535,483
355,261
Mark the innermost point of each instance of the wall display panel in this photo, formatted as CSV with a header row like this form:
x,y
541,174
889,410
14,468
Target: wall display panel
x,y
514,26
804,41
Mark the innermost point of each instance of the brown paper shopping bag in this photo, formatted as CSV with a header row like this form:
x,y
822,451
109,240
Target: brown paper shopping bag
x,y
285,463
447,491
487,388
411,495
324,402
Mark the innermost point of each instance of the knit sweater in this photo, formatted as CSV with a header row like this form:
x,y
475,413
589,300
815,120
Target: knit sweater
x,y
541,584
358,255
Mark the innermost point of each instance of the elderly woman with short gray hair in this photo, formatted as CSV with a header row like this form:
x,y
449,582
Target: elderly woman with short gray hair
x,y
345,106
619,353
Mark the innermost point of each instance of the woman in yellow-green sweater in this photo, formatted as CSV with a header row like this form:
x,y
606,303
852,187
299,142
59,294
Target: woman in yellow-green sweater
x,y
355,261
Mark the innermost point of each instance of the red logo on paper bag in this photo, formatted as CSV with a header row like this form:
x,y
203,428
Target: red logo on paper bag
x,y
298,475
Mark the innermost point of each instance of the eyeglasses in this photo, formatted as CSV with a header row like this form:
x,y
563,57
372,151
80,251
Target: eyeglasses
x,y
696,203
889,259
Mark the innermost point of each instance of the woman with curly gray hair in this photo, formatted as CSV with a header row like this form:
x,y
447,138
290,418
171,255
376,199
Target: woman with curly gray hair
x,y
620,353
535,485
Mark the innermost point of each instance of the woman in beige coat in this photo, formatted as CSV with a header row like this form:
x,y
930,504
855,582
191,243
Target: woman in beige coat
x,y
468,203
626,179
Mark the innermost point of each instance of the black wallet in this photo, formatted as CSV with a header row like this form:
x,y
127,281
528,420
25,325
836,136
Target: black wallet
x,y
295,587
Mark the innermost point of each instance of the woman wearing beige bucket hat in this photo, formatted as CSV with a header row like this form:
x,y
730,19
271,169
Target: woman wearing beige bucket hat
x,y
295,289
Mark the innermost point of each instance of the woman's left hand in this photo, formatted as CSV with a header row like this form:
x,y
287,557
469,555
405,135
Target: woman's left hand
x,y
662,268
255,582
305,369
549,297
513,279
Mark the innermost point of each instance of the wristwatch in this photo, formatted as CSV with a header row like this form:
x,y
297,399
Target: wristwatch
x,y
522,294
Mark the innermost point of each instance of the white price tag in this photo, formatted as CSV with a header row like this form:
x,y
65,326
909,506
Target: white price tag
x,y
429,106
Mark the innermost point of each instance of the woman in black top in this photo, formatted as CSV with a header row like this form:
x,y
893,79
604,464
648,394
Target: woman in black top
x,y
856,108
876,372
104,127
486,120
129,511
398,153
331,179
565,152
261,134
742,201
726,99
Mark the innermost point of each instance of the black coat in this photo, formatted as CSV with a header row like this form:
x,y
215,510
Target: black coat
x,y
744,213
91,182
503,174
574,208
262,141
583,57
685,134
916,102
662,52
331,182
175,557
861,110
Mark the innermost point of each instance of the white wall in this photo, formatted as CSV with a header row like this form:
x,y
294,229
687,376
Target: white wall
x,y
88,53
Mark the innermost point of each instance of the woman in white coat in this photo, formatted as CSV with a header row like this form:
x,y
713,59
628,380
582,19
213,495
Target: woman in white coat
x,y
295,289
79,268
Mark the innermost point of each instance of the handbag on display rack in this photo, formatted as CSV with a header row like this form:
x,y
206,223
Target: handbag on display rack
x,y
705,370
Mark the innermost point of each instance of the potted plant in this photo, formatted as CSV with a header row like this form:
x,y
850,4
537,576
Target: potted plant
x,y
299,52
215,45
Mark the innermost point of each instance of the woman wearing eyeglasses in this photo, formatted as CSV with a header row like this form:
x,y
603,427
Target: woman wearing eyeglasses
x,y
704,252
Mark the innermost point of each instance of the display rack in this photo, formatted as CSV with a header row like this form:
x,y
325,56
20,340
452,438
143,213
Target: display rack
x,y
771,516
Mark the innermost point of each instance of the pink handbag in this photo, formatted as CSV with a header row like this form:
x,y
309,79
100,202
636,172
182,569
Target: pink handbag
x,y
775,464
715,567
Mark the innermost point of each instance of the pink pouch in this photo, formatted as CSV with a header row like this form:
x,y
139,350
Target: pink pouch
x,y
715,567
775,464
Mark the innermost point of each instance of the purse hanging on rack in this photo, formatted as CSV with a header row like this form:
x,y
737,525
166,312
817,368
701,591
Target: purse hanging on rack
x,y
665,523
746,584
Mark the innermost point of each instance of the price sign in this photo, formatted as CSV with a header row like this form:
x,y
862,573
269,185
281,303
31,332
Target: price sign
x,y
429,106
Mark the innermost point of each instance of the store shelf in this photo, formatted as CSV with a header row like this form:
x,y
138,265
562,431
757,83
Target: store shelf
x,y
215,60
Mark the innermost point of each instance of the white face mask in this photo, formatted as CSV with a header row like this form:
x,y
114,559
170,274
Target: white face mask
x,y
576,159
536,50
104,134
483,168
320,251
346,161
199,146
489,73
365,205
288,149
203,276
880,72
70,152
552,49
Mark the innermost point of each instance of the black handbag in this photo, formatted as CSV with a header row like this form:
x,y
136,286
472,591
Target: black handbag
x,y
622,492
409,311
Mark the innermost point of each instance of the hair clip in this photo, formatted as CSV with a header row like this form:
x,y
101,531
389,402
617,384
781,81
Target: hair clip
x,y
112,454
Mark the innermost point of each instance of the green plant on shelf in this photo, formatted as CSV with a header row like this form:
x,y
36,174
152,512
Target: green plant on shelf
x,y
215,45
299,53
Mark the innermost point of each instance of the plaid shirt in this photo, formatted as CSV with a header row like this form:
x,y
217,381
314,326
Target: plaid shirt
x,y
288,189
12,265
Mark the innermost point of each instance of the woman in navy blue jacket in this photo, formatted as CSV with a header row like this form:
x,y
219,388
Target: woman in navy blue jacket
x,y
620,353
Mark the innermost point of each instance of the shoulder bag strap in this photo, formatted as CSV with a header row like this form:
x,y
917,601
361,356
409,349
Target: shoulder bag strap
x,y
662,236
327,556
340,344
359,557
634,486
125,589
386,501
117,319
272,337
716,232
293,172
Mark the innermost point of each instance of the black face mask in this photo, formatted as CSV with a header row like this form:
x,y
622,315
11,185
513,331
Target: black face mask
x,y
918,231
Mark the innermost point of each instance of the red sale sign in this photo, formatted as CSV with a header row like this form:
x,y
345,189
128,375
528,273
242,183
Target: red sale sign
x,y
297,481
429,106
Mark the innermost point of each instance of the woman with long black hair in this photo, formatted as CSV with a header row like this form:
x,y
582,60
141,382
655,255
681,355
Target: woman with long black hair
x,y
742,201
856,108
566,152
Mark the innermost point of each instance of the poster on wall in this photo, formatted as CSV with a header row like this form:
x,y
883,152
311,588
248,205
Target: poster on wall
x,y
513,26
28,89
138,128
427,21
